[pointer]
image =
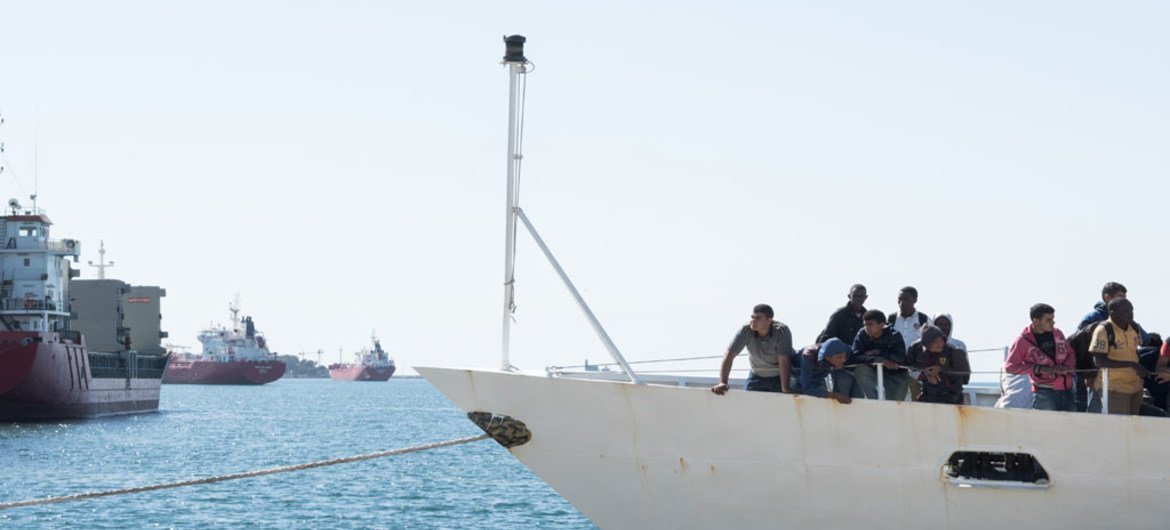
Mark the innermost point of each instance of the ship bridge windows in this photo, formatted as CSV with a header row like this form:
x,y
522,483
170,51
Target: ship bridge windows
x,y
30,231
989,469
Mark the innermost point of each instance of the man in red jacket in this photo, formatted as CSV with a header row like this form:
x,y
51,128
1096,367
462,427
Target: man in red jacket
x,y
1041,352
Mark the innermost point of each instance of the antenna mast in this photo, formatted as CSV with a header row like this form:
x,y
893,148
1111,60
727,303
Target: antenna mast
x,y
101,265
36,166
517,67
234,307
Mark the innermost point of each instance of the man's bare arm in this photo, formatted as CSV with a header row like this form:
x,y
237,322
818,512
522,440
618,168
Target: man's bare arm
x,y
724,373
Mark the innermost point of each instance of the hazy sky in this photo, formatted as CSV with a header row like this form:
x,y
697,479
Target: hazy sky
x,y
341,165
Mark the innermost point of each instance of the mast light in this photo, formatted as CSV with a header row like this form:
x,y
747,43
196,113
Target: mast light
x,y
514,49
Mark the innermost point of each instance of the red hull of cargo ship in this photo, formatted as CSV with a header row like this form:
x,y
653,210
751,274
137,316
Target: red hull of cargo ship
x,y
352,372
223,373
43,377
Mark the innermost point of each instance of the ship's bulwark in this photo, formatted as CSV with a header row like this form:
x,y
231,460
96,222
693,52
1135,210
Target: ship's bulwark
x,y
649,456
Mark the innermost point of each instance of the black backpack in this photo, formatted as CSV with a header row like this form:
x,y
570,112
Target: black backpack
x,y
922,319
1080,339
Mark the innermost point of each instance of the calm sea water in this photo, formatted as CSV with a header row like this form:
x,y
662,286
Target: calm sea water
x,y
213,430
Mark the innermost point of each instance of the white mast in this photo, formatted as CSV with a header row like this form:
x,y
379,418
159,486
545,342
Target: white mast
x,y
234,307
101,265
517,67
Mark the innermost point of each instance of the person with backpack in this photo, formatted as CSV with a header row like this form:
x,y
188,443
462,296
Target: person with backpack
x,y
907,320
1115,346
1087,398
1042,353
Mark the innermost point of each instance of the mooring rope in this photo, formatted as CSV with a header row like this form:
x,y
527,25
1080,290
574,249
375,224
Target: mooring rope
x,y
247,474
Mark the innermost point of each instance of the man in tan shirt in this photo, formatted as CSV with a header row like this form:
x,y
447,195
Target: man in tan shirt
x,y
1114,346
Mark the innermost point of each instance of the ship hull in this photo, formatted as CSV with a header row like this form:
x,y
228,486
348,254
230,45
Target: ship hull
x,y
360,373
223,373
43,378
650,456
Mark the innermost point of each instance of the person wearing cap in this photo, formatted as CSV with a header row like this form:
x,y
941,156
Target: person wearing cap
x,y
945,368
828,361
769,345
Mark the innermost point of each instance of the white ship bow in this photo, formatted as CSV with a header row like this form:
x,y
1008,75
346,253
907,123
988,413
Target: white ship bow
x,y
652,456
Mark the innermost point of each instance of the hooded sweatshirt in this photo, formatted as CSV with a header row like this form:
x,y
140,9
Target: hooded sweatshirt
x,y
1025,355
955,370
951,340
813,371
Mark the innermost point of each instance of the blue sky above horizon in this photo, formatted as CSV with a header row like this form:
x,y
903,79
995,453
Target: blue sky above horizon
x,y
341,165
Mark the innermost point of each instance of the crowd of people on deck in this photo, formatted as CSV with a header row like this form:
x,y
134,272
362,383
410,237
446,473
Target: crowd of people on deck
x,y
868,354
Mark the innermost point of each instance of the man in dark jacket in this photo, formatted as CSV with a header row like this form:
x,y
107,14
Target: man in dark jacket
x,y
878,343
945,369
828,362
845,322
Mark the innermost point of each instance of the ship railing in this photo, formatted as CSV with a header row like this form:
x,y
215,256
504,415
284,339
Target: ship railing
x,y
59,246
63,246
29,304
674,376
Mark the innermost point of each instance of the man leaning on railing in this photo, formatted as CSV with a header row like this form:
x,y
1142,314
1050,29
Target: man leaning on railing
x,y
769,345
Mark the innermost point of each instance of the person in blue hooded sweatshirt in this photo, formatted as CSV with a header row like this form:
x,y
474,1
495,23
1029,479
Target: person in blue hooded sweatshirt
x,y
830,364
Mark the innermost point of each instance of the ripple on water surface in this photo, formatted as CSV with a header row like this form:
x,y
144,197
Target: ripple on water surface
x,y
214,430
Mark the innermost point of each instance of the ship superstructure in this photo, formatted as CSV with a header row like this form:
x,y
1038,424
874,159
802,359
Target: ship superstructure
x,y
234,355
46,370
372,364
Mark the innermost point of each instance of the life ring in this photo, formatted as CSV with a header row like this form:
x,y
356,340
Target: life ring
x,y
69,243
29,303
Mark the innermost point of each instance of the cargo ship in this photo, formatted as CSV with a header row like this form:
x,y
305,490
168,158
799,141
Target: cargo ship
x,y
372,365
231,356
47,369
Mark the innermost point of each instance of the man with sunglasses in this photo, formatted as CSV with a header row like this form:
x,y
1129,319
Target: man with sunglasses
x,y
769,345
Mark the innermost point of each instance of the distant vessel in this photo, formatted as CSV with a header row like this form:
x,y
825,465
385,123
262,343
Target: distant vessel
x,y
235,356
47,372
371,365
